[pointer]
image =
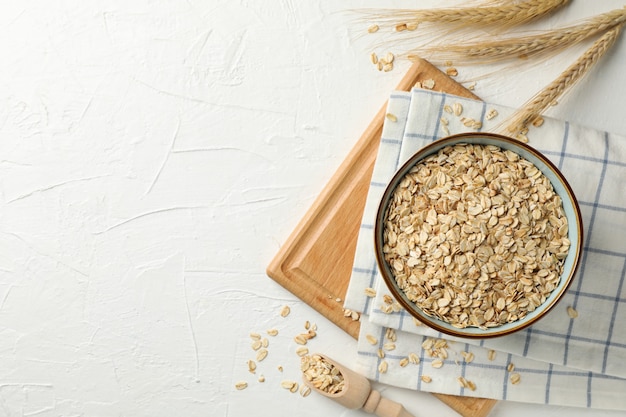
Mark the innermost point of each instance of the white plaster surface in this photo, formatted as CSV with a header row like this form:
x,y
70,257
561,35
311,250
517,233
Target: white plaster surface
x,y
154,155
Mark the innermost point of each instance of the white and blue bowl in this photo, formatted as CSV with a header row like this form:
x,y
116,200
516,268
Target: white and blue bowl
x,y
570,207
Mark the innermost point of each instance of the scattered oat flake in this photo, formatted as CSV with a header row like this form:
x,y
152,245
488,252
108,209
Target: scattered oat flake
x,y
272,332
491,355
388,67
429,84
264,342
373,29
440,343
255,336
510,367
515,378
457,108
371,339
411,26
428,343
374,58
452,72
538,121
280,368
261,378
404,362
300,339
382,368
447,108
468,356
381,353
389,346
491,114
442,353
251,366
472,86
522,138
284,312
256,345
301,351
305,390
400,27
241,385
288,384
370,292
426,379
391,117
261,354
572,312
437,363
414,359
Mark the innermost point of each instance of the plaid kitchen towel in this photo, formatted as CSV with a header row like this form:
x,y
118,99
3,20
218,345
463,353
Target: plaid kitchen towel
x,y
593,162
474,371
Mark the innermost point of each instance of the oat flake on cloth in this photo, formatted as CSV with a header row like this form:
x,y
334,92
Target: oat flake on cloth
x,y
569,361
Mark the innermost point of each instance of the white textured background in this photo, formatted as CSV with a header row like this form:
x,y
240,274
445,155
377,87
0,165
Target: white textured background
x,y
154,155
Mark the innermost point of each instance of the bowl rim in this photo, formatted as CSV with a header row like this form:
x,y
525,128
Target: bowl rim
x,y
399,295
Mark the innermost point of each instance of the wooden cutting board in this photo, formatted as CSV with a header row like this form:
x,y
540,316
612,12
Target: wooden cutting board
x,y
315,263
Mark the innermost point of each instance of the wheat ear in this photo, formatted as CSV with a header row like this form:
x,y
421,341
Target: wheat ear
x,y
508,14
530,45
536,105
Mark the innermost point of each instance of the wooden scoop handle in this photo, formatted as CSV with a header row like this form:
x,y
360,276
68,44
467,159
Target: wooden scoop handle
x,y
384,407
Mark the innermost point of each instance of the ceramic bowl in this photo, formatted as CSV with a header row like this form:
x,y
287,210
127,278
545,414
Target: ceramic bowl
x,y
570,207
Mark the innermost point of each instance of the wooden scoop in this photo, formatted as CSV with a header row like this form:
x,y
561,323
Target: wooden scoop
x,y
358,393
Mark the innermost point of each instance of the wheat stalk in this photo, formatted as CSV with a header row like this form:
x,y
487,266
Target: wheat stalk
x,y
536,105
505,14
530,45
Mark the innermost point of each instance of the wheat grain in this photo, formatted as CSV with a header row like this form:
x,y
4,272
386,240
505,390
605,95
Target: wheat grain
x,y
506,14
572,312
525,46
536,105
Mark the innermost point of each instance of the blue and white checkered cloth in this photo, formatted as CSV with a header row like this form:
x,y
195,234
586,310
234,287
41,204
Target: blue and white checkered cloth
x,y
561,360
